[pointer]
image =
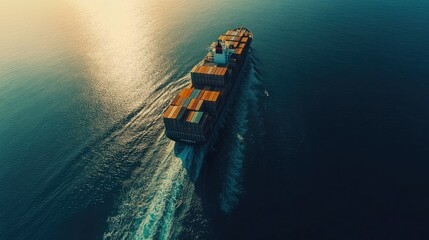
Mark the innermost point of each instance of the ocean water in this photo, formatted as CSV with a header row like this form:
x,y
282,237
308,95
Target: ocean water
x,y
329,136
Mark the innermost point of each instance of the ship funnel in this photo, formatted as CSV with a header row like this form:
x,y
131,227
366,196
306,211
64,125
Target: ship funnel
x,y
218,47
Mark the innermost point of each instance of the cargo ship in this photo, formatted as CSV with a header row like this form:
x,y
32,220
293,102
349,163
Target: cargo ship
x,y
198,111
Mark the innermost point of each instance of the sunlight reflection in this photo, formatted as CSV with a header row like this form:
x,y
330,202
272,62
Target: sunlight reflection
x,y
115,52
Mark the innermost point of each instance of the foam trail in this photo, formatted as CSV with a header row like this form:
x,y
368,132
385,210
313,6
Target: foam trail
x,y
232,186
174,189
162,204
155,206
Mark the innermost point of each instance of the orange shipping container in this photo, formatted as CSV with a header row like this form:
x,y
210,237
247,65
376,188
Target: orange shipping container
x,y
205,95
195,104
201,94
209,70
205,69
185,92
190,104
207,98
216,96
179,112
190,115
176,112
212,94
175,99
168,111
218,70
170,115
200,69
220,73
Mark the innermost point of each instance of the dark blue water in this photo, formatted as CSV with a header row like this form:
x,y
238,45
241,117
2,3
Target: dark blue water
x,y
328,140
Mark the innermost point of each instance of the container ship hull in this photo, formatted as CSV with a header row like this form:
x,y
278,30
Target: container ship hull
x,y
197,112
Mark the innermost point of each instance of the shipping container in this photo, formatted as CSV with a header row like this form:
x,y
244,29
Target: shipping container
x,y
175,99
173,111
190,115
201,94
186,92
209,76
167,112
224,38
190,105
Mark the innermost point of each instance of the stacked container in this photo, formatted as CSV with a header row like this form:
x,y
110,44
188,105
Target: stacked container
x,y
229,38
212,101
209,76
173,115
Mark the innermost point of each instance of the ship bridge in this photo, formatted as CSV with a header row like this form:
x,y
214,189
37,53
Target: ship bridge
x,y
228,48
